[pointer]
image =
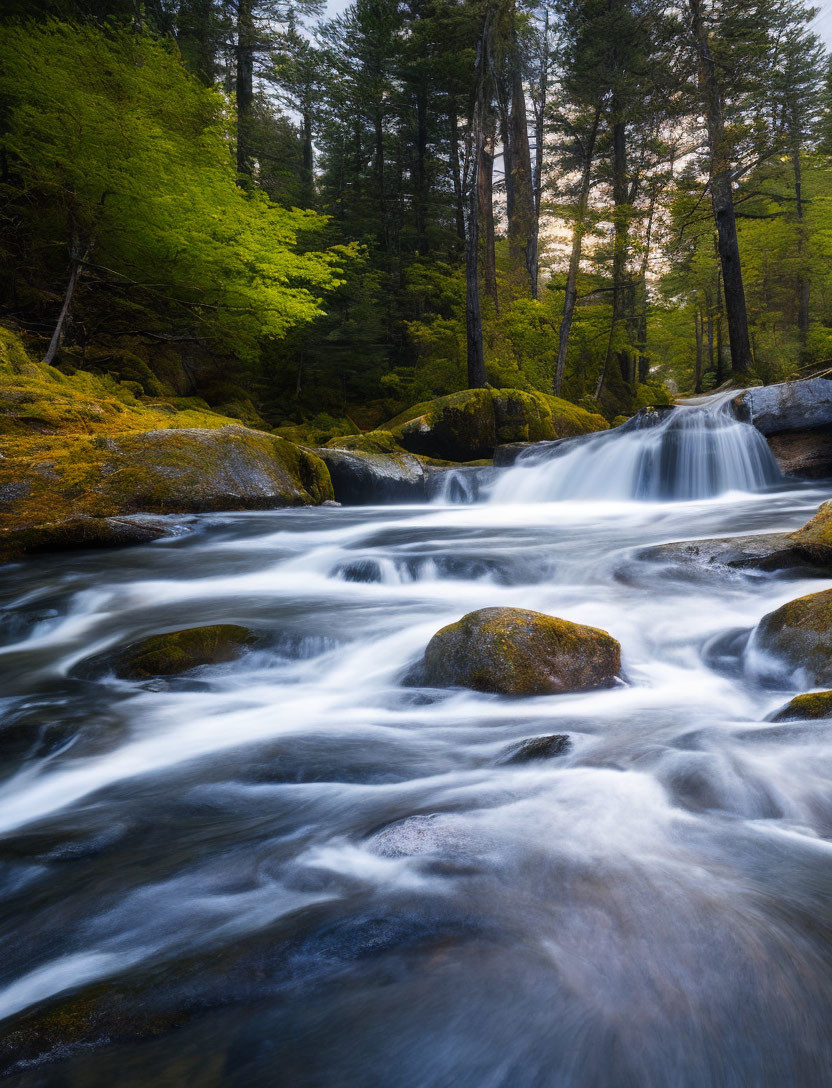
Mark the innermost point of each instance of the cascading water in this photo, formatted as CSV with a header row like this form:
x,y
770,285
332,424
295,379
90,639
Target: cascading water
x,y
292,869
680,453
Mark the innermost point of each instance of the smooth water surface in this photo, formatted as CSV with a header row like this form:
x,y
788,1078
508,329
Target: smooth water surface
x,y
293,870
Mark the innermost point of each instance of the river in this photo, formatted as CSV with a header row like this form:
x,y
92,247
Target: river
x,y
312,875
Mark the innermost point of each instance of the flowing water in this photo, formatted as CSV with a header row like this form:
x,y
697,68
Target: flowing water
x,y
294,870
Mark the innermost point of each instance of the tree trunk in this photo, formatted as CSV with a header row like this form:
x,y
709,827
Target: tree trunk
x,y
473,313
420,179
579,229
697,374
456,172
522,239
722,198
76,265
307,175
485,185
245,89
803,287
621,225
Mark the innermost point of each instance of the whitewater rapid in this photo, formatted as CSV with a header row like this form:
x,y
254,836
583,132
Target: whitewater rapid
x,y
344,876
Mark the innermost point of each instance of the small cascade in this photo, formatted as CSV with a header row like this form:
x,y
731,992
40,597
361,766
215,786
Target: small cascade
x,y
694,452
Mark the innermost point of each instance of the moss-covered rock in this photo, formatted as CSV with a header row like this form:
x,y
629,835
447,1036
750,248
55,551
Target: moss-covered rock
x,y
512,651
814,706
178,651
468,426
815,538
178,470
800,635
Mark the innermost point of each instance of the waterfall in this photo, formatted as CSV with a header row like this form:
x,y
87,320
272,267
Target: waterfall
x,y
689,452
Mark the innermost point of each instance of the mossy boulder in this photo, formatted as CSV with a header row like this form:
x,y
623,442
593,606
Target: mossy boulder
x,y
468,426
178,651
814,706
176,470
815,538
799,634
512,651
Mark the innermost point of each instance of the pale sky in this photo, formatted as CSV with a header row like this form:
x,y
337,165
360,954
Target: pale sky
x,y
823,23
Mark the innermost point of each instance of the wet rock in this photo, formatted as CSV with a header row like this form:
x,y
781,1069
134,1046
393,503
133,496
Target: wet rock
x,y
808,550
505,456
87,532
789,406
511,651
769,551
806,454
815,706
538,748
799,634
796,418
468,426
363,477
178,651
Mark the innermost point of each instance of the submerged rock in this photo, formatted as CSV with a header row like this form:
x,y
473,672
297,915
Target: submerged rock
x,y
538,748
179,651
800,635
811,707
468,426
511,651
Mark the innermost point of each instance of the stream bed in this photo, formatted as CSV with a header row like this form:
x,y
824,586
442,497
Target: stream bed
x,y
294,870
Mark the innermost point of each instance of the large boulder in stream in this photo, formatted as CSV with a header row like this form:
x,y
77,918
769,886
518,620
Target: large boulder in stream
x,y
468,426
372,468
796,418
512,651
176,652
799,637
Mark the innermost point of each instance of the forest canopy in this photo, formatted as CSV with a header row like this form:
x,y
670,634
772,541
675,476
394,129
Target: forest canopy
x,y
318,221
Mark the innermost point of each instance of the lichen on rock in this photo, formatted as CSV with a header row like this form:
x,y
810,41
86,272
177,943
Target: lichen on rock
x,y
512,651
178,651
799,635
468,426
814,706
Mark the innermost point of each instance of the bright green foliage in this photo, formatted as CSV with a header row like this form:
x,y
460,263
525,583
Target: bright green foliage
x,y
116,154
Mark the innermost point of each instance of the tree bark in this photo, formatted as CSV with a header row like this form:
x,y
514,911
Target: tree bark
x,y
456,172
485,185
697,375
473,312
420,179
571,296
803,287
522,237
307,177
244,89
722,197
76,265
621,231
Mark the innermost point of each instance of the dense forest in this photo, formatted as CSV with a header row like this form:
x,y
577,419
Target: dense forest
x,y
312,222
